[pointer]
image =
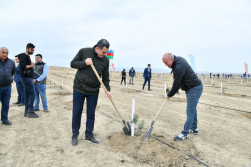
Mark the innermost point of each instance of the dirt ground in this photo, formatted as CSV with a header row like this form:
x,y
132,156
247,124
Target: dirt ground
x,y
224,122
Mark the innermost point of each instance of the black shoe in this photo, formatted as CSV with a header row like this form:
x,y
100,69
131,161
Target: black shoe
x,y
36,109
149,90
32,115
26,114
91,139
46,110
17,102
7,123
21,104
74,140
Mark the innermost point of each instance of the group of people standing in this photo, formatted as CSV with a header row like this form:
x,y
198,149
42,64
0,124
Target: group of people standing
x,y
86,85
30,81
132,74
147,76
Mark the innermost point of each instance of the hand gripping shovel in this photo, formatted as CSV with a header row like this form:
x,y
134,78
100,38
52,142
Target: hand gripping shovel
x,y
149,131
127,127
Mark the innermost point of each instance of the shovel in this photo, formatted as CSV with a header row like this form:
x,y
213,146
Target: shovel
x,y
149,131
127,126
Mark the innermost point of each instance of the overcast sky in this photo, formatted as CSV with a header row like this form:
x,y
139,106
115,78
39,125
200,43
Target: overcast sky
x,y
216,32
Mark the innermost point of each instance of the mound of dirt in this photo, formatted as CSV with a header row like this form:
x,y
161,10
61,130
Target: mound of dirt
x,y
152,151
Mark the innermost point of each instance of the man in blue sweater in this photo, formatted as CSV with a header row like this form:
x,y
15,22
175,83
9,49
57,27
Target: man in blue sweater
x,y
7,70
186,79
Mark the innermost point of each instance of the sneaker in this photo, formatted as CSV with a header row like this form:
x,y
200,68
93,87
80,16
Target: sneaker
x,y
21,104
46,110
17,102
194,132
180,137
36,109
91,139
32,115
74,140
7,123
26,114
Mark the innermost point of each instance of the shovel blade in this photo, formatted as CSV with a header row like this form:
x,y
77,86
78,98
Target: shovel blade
x,y
148,133
126,130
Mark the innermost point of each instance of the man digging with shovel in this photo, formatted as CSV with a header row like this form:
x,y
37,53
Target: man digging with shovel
x,y
86,86
186,79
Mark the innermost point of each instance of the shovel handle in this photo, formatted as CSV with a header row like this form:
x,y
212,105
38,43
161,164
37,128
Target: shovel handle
x,y
102,84
160,110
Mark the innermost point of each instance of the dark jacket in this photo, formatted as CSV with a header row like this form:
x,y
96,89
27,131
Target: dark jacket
x,y
123,74
24,60
132,73
17,75
147,74
7,70
183,75
85,79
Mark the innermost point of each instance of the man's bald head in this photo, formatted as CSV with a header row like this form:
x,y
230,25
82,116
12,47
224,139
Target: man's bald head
x,y
168,59
4,53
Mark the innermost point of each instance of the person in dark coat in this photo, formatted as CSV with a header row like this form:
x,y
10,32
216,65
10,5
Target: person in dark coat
x,y
86,86
186,79
19,85
147,76
7,70
123,76
26,74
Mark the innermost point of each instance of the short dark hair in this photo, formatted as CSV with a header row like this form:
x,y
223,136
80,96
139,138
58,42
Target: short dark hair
x,y
39,55
103,43
30,45
149,65
18,55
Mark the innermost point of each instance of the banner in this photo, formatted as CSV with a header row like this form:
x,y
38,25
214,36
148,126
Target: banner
x,y
110,54
192,62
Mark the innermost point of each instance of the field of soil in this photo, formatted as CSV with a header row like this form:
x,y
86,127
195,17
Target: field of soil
x,y
224,121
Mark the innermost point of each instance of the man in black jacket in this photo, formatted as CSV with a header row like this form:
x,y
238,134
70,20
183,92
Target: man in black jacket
x,y
26,74
186,79
7,70
86,86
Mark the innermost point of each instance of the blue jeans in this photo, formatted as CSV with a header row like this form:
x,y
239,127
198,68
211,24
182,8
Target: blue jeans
x,y
78,103
193,96
20,91
29,94
40,90
147,79
5,93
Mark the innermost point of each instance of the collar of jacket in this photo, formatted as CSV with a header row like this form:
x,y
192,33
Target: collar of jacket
x,y
40,63
174,61
95,54
4,61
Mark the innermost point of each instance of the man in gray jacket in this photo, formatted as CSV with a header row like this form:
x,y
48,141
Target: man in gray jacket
x,y
7,70
86,86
